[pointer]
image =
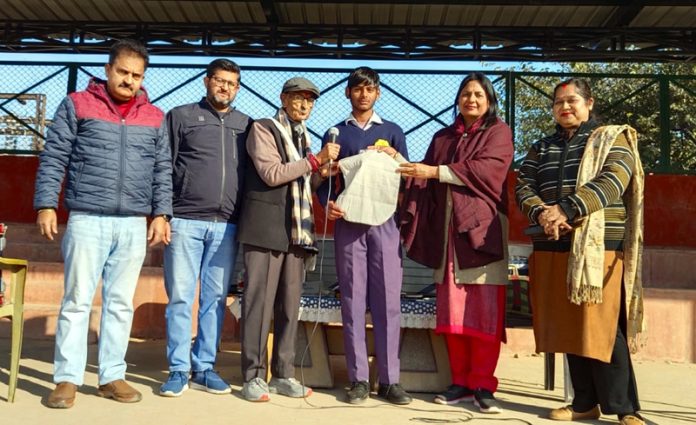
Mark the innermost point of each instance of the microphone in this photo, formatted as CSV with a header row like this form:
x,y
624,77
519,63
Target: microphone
x,y
333,134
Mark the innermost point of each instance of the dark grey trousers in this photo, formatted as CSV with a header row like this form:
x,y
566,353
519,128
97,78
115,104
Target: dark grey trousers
x,y
272,291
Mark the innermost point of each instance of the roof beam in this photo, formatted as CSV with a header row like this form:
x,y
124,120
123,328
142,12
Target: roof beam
x,y
374,42
270,11
620,3
625,14
473,2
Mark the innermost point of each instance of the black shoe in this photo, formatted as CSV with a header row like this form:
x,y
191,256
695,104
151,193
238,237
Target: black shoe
x,y
358,392
484,400
454,394
394,393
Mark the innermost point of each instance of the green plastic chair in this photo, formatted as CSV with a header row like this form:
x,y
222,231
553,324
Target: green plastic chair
x,y
14,309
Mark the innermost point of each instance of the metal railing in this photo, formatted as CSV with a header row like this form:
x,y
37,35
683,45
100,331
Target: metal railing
x,y
421,102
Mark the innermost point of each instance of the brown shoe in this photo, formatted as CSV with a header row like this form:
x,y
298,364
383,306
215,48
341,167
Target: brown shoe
x,y
631,420
568,414
63,396
119,390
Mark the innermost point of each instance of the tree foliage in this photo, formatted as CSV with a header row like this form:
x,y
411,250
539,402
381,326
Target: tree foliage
x,y
630,93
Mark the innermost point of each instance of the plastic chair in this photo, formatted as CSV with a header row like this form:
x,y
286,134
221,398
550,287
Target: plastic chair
x,y
14,309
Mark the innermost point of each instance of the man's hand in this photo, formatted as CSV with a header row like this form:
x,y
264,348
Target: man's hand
x,y
328,152
325,171
47,221
159,231
386,149
418,170
335,212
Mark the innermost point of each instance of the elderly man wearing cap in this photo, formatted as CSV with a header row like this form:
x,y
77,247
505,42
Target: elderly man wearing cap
x,y
276,228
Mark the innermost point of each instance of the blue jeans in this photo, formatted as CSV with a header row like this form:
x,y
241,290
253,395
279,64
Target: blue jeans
x,y
205,250
111,248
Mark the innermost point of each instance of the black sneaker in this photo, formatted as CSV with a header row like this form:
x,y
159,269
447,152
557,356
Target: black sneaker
x,y
454,394
358,392
484,400
394,393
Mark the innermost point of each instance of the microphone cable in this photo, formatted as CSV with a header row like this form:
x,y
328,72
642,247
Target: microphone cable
x,y
309,338
467,416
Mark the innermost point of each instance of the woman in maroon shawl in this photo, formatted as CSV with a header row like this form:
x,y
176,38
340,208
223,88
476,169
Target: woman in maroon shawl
x,y
454,221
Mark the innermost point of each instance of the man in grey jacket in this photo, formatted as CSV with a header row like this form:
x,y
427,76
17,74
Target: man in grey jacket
x,y
112,141
276,227
208,152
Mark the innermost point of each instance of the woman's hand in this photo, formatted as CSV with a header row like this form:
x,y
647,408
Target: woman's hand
x,y
418,170
335,212
556,230
554,221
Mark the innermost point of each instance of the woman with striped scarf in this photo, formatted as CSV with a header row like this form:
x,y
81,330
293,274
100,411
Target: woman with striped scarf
x,y
582,190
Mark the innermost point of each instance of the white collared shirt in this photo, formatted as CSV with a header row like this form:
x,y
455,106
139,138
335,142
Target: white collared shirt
x,y
374,119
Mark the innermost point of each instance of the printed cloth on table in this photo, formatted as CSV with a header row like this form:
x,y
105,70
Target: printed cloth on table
x,y
419,314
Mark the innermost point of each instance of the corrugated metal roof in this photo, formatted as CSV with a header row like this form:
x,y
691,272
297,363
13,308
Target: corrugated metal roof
x,y
473,13
165,11
275,25
666,16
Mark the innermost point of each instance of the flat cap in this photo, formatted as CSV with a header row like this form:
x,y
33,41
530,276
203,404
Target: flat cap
x,y
300,84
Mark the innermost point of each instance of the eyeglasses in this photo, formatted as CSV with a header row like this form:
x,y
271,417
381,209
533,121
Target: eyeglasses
x,y
572,101
221,82
298,98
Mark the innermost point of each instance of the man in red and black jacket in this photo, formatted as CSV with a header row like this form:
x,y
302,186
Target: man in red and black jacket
x,y
113,143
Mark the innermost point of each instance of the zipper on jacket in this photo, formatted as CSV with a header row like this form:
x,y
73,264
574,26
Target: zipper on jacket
x,y
122,161
224,161
234,144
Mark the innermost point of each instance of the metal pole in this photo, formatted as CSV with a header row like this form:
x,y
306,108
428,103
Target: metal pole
x,y
72,77
511,103
665,160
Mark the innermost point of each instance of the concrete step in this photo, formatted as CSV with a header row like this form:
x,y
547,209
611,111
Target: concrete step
x,y
47,252
44,292
45,285
28,232
669,268
40,321
24,241
670,314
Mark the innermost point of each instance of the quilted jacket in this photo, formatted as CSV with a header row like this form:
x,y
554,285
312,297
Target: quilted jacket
x,y
116,165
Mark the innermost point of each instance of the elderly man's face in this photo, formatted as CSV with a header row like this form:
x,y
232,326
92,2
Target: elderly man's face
x,y
125,76
298,105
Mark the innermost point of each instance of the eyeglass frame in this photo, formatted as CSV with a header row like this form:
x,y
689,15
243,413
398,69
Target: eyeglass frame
x,y
297,97
221,82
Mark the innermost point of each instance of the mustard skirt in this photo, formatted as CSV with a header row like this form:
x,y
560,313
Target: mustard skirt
x,y
587,330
